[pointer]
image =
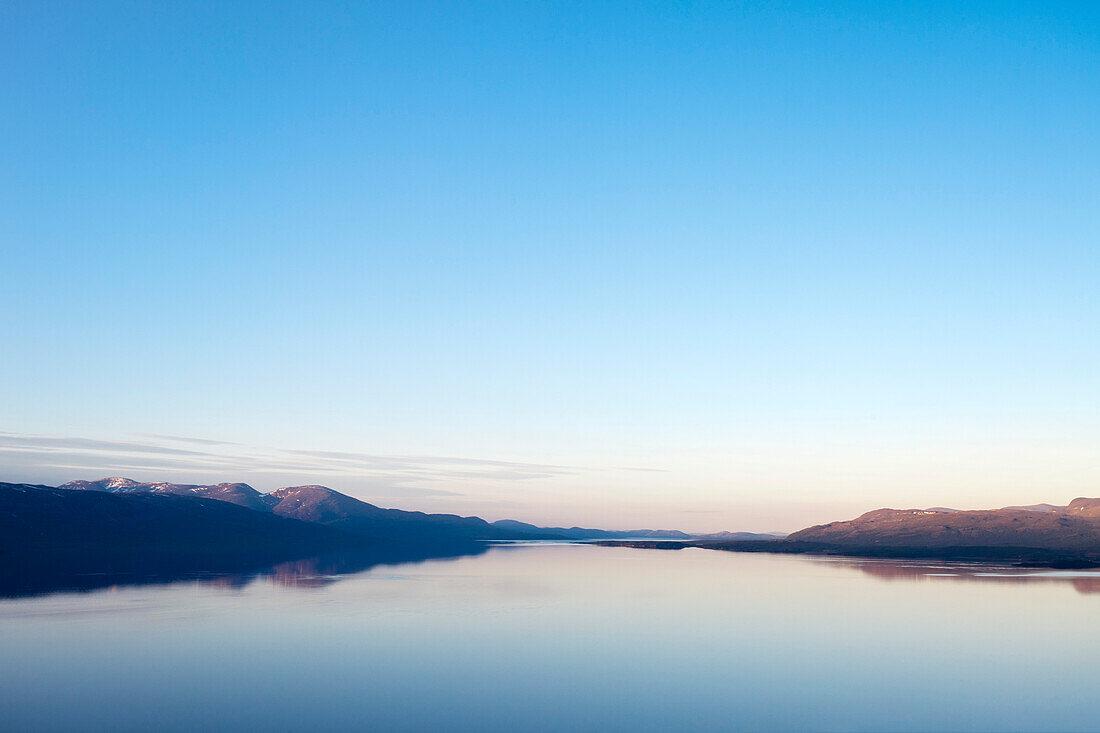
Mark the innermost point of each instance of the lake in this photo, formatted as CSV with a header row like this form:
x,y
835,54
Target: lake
x,y
563,637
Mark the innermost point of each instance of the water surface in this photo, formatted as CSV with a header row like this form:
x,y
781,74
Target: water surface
x,y
563,637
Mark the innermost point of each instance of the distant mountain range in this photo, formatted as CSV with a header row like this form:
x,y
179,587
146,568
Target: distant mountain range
x,y
1046,526
36,520
90,534
582,533
121,516
1039,534
350,519
316,505
116,531
87,534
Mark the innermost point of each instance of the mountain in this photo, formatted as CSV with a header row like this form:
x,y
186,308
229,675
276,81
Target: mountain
x,y
321,505
582,533
1044,508
55,539
741,536
236,493
41,519
1039,535
1075,527
1081,507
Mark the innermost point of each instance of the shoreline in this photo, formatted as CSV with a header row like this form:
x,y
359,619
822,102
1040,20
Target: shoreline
x,y
1023,557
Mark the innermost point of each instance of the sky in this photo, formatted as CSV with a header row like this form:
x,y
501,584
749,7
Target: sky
x,y
681,265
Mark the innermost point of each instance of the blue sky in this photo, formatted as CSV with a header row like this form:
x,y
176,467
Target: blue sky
x,y
744,265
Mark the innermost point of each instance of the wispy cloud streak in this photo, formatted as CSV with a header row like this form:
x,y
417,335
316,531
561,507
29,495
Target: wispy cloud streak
x,y
58,458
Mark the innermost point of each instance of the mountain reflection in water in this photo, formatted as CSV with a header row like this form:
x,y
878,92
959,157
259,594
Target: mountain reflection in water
x,y
1083,581
558,637
45,574
42,575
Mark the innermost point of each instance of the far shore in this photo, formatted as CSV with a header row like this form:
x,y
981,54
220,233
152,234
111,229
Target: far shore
x,y
1033,557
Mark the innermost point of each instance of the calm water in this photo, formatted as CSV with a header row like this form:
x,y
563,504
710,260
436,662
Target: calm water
x,y
563,637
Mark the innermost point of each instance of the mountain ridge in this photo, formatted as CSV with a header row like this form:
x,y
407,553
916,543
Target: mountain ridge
x,y
1038,535
45,519
315,504
1075,527
130,528
324,505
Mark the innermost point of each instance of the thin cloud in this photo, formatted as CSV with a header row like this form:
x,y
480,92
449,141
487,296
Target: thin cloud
x,y
46,443
56,458
184,439
415,460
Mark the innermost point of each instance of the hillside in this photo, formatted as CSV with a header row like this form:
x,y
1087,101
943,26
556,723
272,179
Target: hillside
x,y
1074,527
323,505
326,506
318,505
53,539
1036,535
584,533
234,493
41,519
